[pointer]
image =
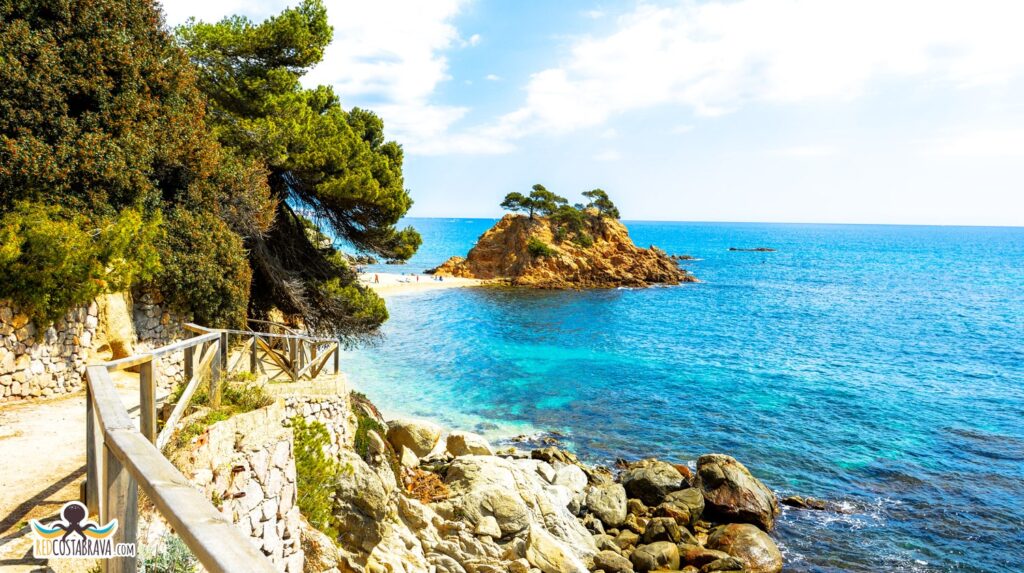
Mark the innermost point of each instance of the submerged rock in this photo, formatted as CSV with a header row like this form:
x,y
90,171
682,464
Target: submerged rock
x,y
805,502
750,545
731,493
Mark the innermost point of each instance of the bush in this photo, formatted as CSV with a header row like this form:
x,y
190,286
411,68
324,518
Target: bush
x,y
315,474
172,556
539,248
205,269
53,260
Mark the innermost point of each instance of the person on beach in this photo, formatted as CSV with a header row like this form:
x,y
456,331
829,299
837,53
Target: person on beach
x,y
376,278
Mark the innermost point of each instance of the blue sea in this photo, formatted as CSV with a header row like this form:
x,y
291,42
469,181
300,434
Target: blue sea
x,y
878,367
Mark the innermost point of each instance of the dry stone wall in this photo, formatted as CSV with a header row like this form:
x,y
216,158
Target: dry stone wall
x,y
246,465
45,362
36,363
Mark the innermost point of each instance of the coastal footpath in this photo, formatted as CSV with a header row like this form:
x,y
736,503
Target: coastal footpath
x,y
538,252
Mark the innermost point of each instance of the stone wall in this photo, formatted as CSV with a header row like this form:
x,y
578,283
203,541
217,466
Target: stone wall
x,y
332,411
34,363
50,362
246,466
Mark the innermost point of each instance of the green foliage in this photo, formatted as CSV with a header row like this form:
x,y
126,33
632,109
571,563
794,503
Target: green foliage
x,y
315,473
539,248
364,425
102,120
545,202
172,556
599,200
318,156
53,259
205,269
241,393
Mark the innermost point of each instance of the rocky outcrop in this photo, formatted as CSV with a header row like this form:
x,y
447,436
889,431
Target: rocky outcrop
x,y
533,252
750,545
732,494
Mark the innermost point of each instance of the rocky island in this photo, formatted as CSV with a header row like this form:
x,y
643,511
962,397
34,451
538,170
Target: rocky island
x,y
555,245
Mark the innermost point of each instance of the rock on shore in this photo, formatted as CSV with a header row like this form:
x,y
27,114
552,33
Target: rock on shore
x,y
539,512
509,253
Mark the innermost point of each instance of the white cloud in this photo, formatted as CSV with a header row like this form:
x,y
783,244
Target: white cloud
x,y
977,143
715,57
608,155
594,14
682,128
492,77
610,133
805,151
473,40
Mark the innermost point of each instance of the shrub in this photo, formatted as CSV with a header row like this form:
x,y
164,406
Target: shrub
x,y
539,248
315,473
172,556
205,269
53,260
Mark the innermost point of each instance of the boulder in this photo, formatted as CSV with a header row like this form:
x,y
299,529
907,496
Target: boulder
x,y
726,564
550,555
608,503
685,506
572,477
749,544
419,436
662,529
732,494
805,502
518,499
467,443
697,556
651,480
612,562
655,556
361,503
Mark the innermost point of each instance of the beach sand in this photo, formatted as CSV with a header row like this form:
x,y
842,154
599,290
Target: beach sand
x,y
394,283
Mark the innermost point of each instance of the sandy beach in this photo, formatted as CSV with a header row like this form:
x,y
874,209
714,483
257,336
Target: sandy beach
x,y
390,284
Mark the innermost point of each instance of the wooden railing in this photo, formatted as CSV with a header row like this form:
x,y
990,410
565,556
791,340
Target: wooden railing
x,y
120,458
288,354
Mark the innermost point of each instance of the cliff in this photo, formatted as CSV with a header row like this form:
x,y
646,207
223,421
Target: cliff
x,y
540,253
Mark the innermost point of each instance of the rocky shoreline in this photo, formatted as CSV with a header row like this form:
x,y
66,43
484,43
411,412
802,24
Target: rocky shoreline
x,y
470,507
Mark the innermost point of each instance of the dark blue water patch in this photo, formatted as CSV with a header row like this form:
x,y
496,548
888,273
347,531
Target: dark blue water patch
x,y
881,368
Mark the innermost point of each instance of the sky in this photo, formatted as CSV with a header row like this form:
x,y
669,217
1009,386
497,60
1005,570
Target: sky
x,y
855,111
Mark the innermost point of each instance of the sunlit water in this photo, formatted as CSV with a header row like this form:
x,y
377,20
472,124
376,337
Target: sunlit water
x,y
878,367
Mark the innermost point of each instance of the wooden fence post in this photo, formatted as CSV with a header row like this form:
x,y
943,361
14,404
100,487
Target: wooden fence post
x,y
253,359
147,398
216,371
93,456
224,351
190,362
123,505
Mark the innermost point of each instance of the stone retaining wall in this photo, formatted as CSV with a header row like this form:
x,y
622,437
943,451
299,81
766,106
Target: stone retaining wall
x,y
332,411
246,465
35,364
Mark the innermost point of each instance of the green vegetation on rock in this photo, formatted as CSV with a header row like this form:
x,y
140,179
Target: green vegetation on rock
x,y
571,222
315,473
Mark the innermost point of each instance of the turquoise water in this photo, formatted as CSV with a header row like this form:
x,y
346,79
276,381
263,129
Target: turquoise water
x,y
880,367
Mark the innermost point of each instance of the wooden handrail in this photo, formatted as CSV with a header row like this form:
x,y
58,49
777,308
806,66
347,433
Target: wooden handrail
x,y
120,458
